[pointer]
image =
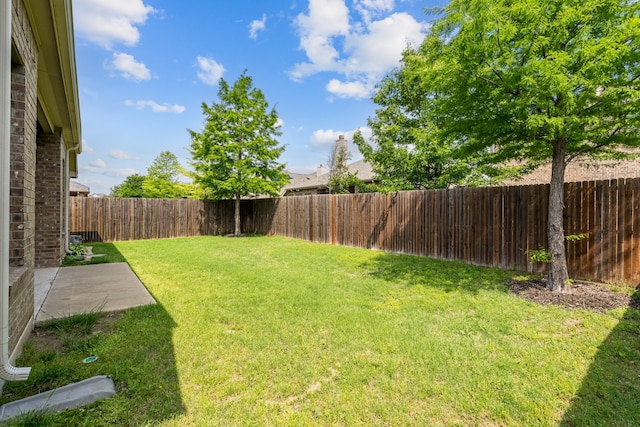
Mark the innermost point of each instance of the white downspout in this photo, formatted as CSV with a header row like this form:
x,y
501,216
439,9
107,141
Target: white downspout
x,y
67,185
7,371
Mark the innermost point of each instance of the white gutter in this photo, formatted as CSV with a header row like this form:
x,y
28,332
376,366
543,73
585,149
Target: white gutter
x,y
7,371
67,186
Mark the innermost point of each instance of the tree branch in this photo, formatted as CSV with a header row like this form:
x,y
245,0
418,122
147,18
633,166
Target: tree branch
x,y
595,147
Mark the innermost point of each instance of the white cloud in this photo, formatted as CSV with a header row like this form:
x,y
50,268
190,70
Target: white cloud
x,y
326,20
366,132
257,25
323,139
381,5
279,123
107,22
380,48
129,68
357,90
119,154
370,8
210,71
98,163
155,107
100,167
86,148
362,51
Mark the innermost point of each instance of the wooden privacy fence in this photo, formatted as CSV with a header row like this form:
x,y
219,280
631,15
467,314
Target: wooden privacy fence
x,y
491,226
107,219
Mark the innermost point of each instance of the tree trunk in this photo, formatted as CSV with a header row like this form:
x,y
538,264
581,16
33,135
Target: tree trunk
x,y
558,274
237,231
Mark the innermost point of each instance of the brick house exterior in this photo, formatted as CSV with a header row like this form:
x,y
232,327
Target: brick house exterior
x,y
44,137
78,190
318,181
583,170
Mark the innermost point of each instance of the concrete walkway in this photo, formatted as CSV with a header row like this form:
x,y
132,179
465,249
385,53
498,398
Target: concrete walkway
x,y
65,291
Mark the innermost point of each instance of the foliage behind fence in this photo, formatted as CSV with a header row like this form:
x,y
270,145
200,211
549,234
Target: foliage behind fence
x,y
491,226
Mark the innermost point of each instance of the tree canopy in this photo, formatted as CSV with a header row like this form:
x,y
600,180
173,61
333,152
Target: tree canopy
x,y
236,153
131,187
161,182
404,151
503,83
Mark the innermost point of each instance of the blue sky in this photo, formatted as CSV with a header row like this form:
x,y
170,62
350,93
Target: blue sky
x,y
145,67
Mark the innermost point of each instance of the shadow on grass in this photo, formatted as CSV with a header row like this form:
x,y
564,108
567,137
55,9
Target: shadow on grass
x,y
610,392
136,351
145,371
449,276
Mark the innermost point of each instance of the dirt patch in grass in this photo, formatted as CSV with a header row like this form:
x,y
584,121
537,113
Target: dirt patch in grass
x,y
50,339
590,296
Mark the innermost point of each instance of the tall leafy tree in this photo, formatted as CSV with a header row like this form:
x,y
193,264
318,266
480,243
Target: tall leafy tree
x,y
131,187
162,177
161,182
236,153
165,166
526,82
404,152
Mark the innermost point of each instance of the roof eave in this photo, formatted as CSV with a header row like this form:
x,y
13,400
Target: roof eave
x,y
59,105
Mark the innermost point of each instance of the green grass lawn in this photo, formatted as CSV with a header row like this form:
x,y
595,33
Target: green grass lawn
x,y
274,331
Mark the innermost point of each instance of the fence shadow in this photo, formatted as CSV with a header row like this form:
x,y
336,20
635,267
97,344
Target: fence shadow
x,y
449,276
258,215
609,393
153,393
137,353
377,230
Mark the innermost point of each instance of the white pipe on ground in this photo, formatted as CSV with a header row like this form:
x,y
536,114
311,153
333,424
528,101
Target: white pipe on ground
x,y
67,184
7,371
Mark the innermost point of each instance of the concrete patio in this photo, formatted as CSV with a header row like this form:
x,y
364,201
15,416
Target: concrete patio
x,y
65,291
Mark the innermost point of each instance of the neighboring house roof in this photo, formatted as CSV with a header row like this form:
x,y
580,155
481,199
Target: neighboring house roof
x,y
301,181
77,188
363,170
320,178
583,170
58,102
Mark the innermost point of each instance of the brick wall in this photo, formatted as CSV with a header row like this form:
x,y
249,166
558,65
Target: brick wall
x,y
21,295
24,79
49,238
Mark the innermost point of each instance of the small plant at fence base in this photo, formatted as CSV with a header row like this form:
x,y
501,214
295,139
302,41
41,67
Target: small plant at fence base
x,y
543,255
77,250
576,237
539,255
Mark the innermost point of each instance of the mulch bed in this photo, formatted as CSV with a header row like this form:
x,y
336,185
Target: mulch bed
x,y
591,296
